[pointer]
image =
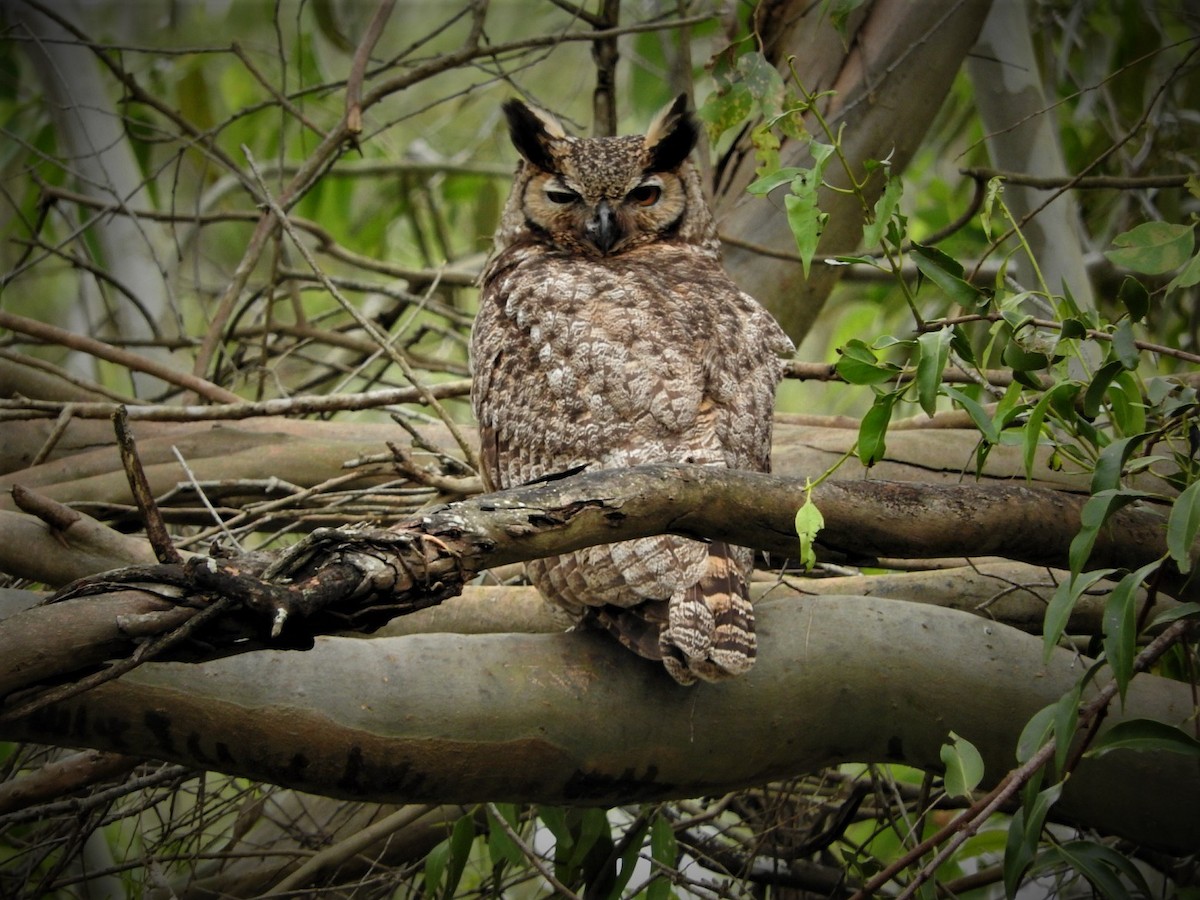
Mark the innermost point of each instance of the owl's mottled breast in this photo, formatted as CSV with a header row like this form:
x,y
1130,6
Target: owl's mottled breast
x,y
641,360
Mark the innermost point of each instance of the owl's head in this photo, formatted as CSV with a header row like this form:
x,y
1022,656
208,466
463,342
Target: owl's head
x,y
605,196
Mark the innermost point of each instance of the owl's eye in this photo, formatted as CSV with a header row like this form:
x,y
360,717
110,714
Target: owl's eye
x,y
645,194
561,197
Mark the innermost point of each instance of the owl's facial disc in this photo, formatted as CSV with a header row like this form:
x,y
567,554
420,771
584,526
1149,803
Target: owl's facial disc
x,y
604,216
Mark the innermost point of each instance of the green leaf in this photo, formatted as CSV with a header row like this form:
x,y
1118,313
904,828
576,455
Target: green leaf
x,y
964,766
1019,359
805,219
1153,248
461,839
629,858
935,351
435,866
1120,626
858,364
1123,345
961,344
1094,395
809,523
1136,298
1099,507
1182,611
500,845
1065,390
884,207
872,431
1102,867
856,261
1066,718
995,187
1145,734
593,823
1126,405
768,183
1073,329
724,109
1058,611
1035,733
555,820
946,273
975,410
1111,463
763,80
1182,525
1188,277
664,849
1024,835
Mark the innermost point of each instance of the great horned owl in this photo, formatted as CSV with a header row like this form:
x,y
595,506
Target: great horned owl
x,y
608,335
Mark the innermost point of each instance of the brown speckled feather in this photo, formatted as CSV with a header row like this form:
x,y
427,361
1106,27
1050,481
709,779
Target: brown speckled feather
x,y
618,355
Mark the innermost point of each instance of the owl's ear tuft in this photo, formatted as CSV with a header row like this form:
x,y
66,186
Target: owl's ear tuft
x,y
531,132
671,136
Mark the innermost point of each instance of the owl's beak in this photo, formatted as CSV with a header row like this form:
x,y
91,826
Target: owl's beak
x,y
602,229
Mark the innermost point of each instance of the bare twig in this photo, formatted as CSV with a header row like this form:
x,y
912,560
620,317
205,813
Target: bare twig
x,y
346,849
105,351
1090,182
358,66
308,404
935,324
139,487
529,853
367,325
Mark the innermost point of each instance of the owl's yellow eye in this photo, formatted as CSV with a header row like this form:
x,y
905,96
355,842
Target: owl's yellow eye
x,y
645,194
561,197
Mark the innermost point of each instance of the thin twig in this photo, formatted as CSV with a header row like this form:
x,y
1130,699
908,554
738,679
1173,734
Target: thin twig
x,y
935,324
60,428
530,853
344,850
1090,182
143,496
358,67
366,324
306,404
105,351
220,523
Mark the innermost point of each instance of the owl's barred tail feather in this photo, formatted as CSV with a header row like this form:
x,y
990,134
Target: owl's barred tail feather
x,y
705,632
710,625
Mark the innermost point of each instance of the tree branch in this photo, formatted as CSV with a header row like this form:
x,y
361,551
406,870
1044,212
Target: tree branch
x,y
576,719
357,579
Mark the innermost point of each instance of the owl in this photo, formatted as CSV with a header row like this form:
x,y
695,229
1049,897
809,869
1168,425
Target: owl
x,y
608,335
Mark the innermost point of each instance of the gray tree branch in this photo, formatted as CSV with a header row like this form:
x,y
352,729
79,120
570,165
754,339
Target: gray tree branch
x,y
575,718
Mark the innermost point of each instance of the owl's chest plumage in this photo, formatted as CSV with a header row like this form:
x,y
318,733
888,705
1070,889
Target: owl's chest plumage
x,y
647,356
